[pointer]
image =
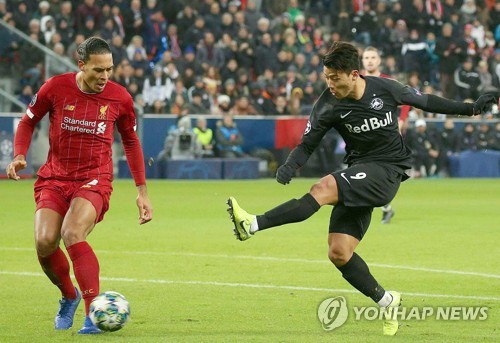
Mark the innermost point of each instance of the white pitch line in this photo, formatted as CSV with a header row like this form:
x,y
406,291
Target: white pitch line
x,y
261,286
281,259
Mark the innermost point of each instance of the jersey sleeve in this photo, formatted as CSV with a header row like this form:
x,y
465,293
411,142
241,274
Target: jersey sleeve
x,y
432,103
40,105
315,130
126,125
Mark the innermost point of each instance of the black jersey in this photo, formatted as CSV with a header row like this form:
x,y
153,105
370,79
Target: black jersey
x,y
369,126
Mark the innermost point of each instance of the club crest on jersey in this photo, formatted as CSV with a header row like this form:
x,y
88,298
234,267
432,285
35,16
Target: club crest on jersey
x,y
308,127
69,107
33,100
376,104
102,112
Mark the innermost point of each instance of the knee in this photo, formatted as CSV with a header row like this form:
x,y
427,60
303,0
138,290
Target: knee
x,y
339,256
46,244
72,234
325,191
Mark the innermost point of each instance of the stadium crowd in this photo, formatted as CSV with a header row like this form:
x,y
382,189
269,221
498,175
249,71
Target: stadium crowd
x,y
257,56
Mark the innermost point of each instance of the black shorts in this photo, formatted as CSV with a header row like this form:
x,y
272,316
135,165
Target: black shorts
x,y
361,188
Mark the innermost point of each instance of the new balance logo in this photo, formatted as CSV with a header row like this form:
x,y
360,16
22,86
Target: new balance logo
x,y
101,128
370,124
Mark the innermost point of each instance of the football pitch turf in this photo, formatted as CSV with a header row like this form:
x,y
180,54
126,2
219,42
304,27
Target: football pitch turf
x,y
189,280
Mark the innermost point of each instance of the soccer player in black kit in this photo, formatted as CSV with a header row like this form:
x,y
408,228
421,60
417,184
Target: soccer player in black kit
x,y
363,110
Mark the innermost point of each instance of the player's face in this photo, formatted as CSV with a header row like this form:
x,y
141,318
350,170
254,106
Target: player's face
x,y
341,84
96,72
371,61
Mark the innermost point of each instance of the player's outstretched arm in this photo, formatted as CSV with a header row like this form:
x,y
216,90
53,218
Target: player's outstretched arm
x,y
144,205
16,165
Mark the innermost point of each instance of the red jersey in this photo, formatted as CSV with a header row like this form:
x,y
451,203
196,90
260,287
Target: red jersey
x,y
81,130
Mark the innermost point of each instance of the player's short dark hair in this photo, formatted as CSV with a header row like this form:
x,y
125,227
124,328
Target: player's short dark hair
x,y
93,46
342,56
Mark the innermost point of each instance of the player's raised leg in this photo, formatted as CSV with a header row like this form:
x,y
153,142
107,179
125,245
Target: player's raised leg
x,y
292,211
55,264
77,225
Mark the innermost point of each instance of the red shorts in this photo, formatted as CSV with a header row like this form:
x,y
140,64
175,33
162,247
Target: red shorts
x,y
57,195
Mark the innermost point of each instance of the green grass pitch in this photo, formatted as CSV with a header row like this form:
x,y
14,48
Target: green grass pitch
x,y
189,280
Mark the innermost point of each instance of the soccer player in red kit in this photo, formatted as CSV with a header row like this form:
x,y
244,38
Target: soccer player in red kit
x,y
73,188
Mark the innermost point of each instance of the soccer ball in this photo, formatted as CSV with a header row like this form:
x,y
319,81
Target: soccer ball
x,y
109,311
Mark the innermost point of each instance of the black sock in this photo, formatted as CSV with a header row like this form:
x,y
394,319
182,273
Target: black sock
x,y
292,211
356,272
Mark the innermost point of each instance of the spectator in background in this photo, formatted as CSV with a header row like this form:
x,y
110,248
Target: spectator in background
x,y
223,105
133,20
208,54
243,106
9,45
155,33
189,61
71,51
197,106
195,33
205,137
486,78
55,66
136,45
451,52
25,97
174,41
265,55
185,19
425,149
32,61
179,106
65,22
118,50
199,88
21,16
43,10
159,107
467,80
449,145
155,87
468,137
85,11
281,106
415,56
485,137
213,20
259,99
229,139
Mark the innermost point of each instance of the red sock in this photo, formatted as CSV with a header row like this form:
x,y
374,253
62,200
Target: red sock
x,y
86,268
56,267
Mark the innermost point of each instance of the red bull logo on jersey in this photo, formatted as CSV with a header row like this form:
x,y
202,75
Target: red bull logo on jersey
x,y
371,124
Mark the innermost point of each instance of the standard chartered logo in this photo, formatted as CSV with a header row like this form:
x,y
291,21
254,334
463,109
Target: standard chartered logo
x,y
83,126
332,313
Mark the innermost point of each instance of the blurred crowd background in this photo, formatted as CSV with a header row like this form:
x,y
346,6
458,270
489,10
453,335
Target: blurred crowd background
x,y
255,56
263,57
